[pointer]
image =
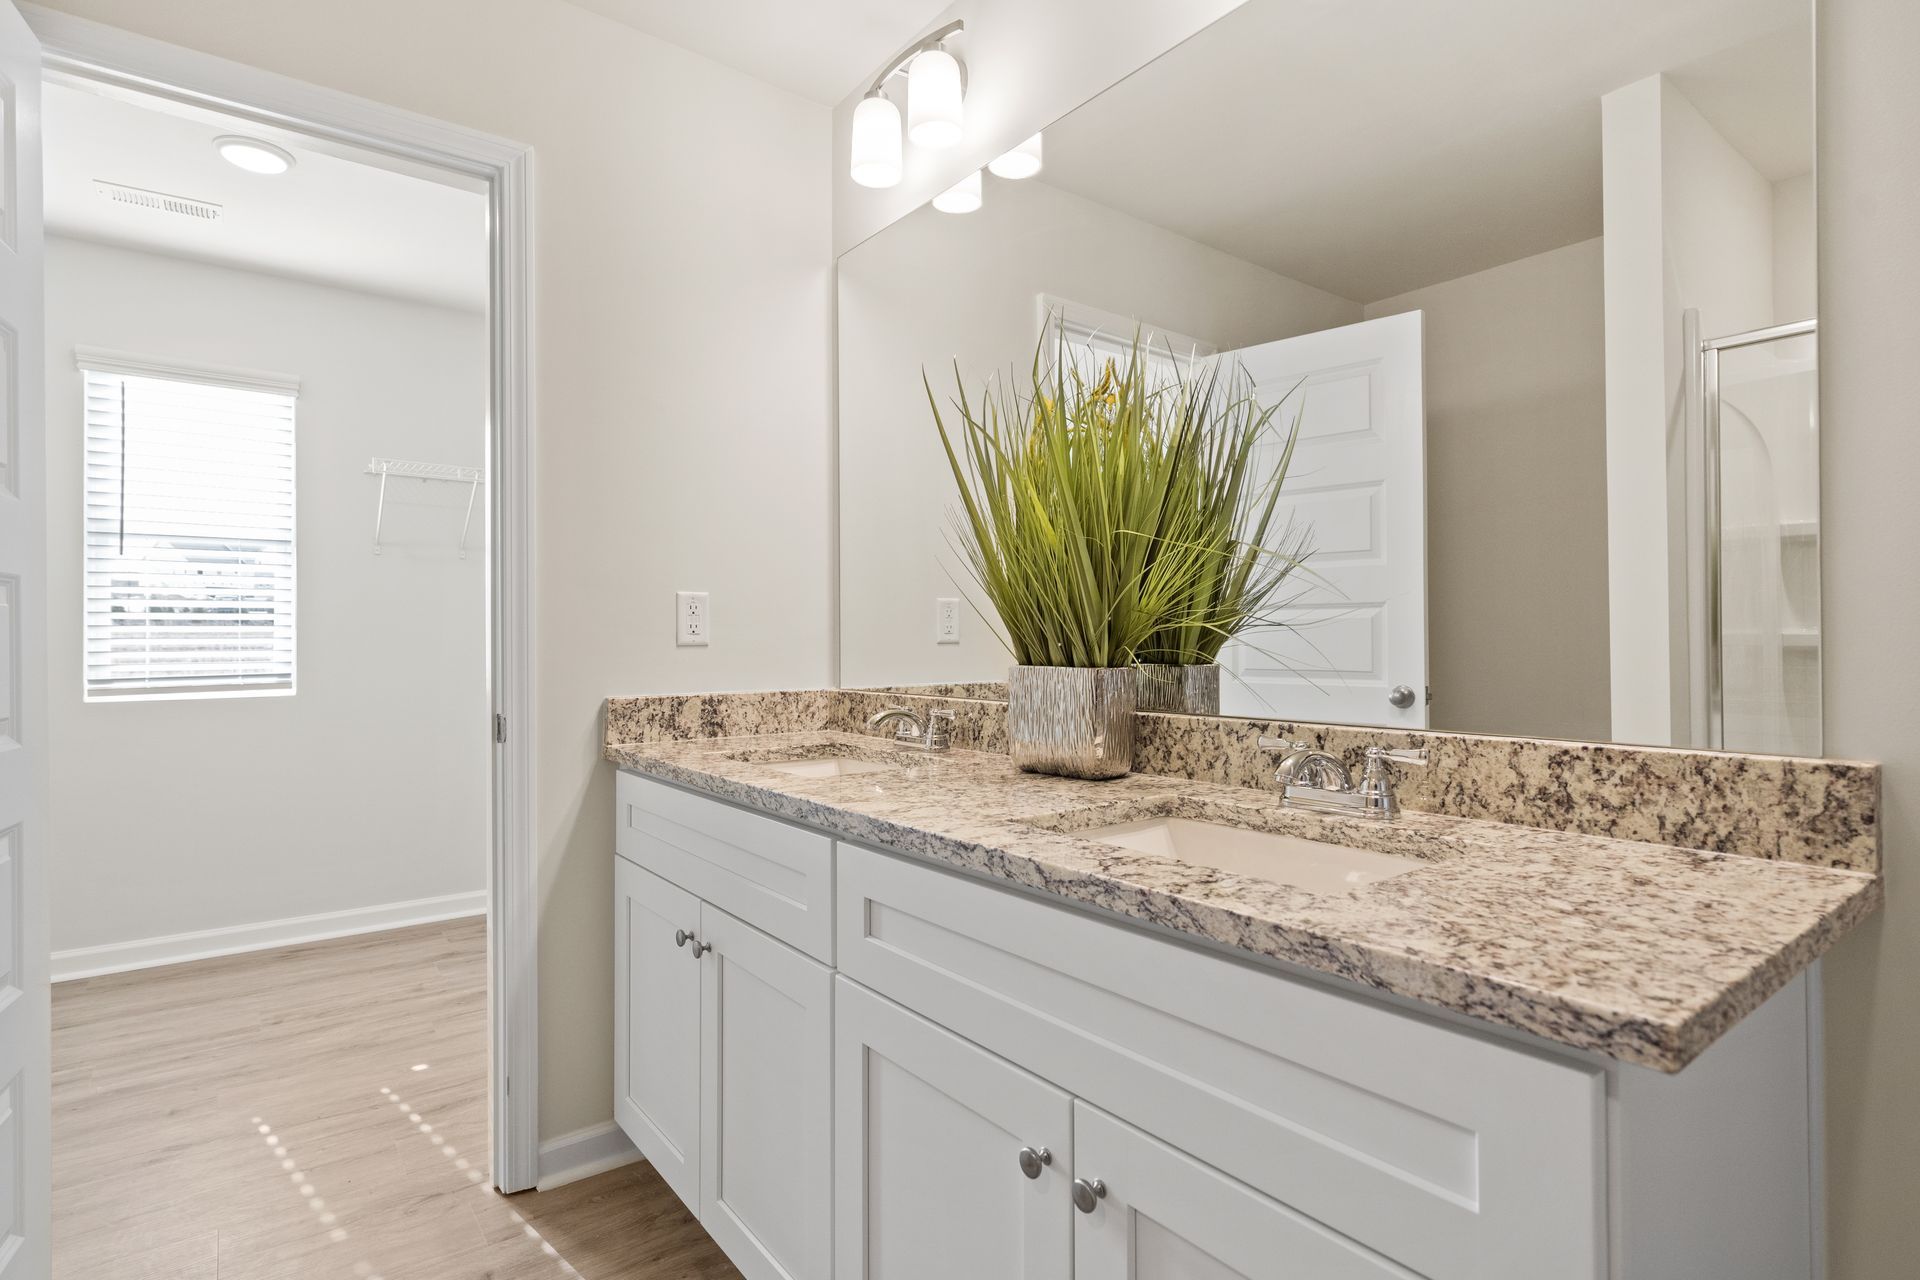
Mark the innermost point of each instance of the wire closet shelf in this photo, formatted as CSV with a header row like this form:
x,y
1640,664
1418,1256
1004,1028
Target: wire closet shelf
x,y
440,472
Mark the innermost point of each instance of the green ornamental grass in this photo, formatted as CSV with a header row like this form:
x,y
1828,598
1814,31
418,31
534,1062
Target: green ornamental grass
x,y
1123,514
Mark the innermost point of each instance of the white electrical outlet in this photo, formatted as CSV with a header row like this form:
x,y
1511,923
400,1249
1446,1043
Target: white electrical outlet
x,y
946,620
692,620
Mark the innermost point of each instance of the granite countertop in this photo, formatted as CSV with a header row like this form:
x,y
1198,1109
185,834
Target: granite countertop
x,y
1643,952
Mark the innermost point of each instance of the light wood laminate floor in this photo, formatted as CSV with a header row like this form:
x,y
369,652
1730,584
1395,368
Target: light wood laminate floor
x,y
319,1113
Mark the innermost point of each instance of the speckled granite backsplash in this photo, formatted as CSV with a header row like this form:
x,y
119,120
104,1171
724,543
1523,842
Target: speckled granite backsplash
x,y
1818,812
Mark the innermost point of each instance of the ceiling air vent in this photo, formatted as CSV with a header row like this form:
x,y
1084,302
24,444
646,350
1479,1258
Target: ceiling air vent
x,y
141,198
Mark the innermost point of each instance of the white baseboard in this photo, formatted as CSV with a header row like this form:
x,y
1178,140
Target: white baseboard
x,y
147,953
583,1153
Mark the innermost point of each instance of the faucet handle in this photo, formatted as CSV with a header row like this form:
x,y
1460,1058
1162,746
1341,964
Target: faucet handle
x,y
1281,744
1405,755
939,730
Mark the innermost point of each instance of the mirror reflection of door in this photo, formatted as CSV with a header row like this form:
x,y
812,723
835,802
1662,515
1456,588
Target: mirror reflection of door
x,y
1351,644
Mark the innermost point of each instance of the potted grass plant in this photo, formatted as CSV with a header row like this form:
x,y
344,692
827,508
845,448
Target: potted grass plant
x,y
1222,517
1088,520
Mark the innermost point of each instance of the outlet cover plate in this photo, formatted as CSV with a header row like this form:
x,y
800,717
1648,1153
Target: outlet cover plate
x,y
693,622
946,620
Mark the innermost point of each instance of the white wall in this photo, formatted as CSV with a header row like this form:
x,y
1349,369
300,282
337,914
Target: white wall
x,y
1516,444
1689,225
935,288
1869,328
1028,64
1795,276
682,264
369,785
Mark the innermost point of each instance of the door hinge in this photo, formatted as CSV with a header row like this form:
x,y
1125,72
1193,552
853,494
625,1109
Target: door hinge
x,y
499,726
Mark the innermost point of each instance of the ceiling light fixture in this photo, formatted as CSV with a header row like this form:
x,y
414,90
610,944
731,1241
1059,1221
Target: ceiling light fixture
x,y
1021,162
936,109
252,154
962,197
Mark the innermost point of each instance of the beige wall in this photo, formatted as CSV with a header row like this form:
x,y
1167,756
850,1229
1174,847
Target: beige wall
x,y
682,260
933,289
1869,196
391,650
1516,444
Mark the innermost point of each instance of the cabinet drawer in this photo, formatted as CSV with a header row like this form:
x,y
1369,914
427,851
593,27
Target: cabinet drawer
x,y
1456,1155
776,877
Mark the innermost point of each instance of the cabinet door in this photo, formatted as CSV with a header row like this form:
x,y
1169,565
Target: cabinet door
x,y
656,1053
1166,1216
928,1177
766,1070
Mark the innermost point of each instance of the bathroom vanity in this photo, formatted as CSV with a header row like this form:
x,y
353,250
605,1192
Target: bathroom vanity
x,y
885,1012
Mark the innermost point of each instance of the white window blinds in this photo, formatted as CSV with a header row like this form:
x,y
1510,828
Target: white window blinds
x,y
189,532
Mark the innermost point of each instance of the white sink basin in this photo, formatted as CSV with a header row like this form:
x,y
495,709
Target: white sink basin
x,y
1305,864
834,767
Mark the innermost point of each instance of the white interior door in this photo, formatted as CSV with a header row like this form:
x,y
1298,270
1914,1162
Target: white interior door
x,y
1355,630
25,1038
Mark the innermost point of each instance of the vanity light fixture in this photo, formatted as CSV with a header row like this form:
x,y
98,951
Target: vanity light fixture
x,y
252,154
962,197
876,141
936,110
1021,162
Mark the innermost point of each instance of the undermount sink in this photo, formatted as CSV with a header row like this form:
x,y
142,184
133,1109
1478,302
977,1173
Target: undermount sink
x,y
1305,864
826,759
833,767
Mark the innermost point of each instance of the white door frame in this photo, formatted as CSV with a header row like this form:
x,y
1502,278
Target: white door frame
x,y
108,55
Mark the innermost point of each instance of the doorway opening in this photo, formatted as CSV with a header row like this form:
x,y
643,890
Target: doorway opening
x,y
486,931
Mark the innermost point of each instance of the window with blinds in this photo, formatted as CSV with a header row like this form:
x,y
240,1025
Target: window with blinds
x,y
189,532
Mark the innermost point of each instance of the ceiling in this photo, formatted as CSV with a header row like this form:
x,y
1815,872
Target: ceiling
x,y
819,49
331,220
1370,147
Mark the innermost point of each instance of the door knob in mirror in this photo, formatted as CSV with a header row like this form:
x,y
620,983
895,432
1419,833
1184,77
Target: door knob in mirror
x,y
1402,696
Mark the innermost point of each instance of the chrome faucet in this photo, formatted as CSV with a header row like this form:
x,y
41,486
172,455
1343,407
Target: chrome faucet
x,y
1313,779
935,733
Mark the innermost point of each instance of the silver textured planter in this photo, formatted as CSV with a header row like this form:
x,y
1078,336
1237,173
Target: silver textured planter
x,y
1188,690
1073,721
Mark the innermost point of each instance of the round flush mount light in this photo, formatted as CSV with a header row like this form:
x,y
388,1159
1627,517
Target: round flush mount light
x,y
934,99
1021,162
252,154
876,141
962,197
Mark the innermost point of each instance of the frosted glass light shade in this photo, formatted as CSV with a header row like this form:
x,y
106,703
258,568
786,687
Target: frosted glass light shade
x,y
933,100
876,142
962,197
1021,162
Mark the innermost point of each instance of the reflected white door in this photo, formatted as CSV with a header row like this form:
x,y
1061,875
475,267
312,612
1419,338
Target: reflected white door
x,y
1353,645
25,1058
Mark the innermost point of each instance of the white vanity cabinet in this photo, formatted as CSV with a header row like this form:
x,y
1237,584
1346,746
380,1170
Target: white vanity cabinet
x,y
723,1049
1156,1213
959,1080
952,1163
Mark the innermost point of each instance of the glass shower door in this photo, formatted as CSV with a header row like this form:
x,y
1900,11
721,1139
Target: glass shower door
x,y
1763,501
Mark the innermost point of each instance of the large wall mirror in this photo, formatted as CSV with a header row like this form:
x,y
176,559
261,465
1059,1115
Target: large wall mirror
x,y
1539,279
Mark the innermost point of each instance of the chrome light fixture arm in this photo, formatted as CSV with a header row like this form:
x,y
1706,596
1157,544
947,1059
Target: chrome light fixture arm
x,y
897,65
